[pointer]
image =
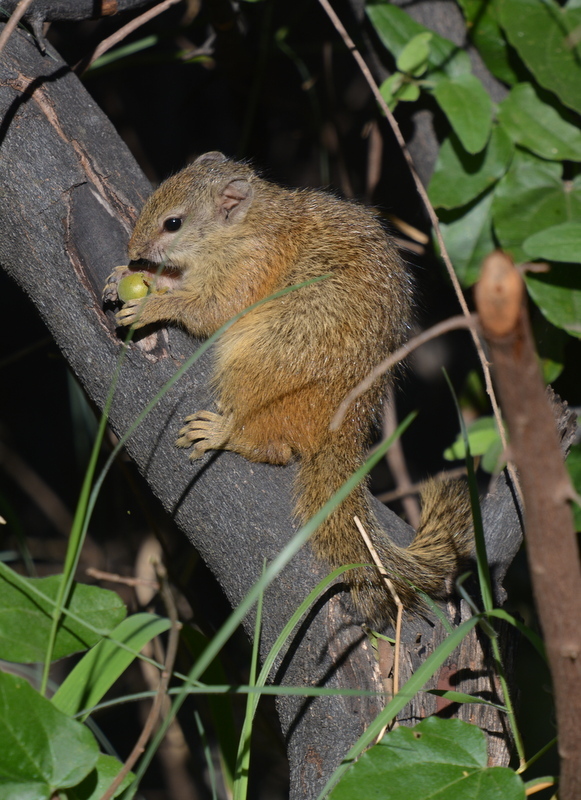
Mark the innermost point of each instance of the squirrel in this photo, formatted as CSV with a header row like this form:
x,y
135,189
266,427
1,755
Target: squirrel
x,y
221,238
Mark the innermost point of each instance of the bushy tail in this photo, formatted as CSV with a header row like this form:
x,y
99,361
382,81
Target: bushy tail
x,y
443,539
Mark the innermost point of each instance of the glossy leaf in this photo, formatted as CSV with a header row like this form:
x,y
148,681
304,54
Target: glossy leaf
x,y
414,57
538,31
42,749
396,29
538,126
93,787
485,32
98,670
530,198
460,177
396,88
559,243
444,759
558,294
482,433
467,104
25,618
468,237
484,440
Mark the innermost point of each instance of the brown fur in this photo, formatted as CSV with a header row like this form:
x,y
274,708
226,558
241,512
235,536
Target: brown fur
x,y
283,368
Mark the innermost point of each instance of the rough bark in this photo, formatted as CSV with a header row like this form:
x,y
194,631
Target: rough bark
x,y
70,193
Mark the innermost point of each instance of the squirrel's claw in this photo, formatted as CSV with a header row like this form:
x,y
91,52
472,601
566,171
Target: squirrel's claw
x,y
109,294
208,430
130,314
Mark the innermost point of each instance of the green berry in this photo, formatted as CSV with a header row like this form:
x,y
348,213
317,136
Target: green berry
x,y
132,286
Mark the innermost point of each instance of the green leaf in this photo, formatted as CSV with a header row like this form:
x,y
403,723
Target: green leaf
x,y
396,29
484,440
484,31
123,52
42,749
25,618
98,670
532,197
538,126
468,106
459,176
494,460
538,31
443,759
468,237
93,787
461,697
558,295
396,88
574,467
413,59
559,243
482,433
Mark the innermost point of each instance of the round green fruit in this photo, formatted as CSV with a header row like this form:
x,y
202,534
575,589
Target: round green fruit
x,y
132,287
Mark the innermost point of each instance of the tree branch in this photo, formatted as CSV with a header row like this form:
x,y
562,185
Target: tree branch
x,y
552,547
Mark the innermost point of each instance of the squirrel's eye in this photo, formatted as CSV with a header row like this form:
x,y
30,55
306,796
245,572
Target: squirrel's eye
x,y
172,224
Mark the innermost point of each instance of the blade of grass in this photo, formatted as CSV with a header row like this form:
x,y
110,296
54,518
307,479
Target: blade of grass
x,y
243,757
226,689
207,755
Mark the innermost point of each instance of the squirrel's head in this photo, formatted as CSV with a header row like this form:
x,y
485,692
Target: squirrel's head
x,y
210,196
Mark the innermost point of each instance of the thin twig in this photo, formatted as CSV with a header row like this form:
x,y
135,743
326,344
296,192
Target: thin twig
x,y
15,18
396,600
111,577
450,324
119,35
172,646
416,488
431,213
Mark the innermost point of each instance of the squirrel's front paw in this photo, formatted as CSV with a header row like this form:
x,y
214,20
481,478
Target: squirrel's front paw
x,y
110,291
208,430
132,313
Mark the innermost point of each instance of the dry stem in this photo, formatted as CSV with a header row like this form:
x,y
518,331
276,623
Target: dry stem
x,y
15,18
396,600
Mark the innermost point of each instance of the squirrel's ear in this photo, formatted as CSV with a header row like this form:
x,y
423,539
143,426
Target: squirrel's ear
x,y
207,158
235,200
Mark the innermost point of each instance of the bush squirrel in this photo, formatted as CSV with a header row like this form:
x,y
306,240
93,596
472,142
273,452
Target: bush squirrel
x,y
226,238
